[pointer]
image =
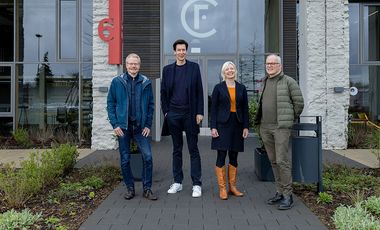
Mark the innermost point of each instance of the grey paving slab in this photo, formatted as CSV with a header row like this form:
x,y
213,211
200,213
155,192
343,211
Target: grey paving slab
x,y
181,211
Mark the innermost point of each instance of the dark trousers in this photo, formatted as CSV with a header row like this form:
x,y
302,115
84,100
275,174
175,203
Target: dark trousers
x,y
178,122
221,158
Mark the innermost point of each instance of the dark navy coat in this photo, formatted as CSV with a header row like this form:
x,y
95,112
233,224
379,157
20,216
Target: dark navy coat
x,y
195,91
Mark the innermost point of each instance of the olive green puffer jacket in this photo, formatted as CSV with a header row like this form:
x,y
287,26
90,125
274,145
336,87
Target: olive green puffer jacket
x,y
289,102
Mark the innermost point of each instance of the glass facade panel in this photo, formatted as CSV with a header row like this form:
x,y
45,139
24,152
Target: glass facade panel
x,y
371,20
6,28
48,97
365,59
203,24
87,30
68,22
86,104
366,79
36,30
354,33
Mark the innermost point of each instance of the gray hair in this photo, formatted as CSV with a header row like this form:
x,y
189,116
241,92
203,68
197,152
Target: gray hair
x,y
224,67
275,55
133,55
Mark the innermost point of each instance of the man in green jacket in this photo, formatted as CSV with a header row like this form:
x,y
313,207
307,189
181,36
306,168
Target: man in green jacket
x,y
280,104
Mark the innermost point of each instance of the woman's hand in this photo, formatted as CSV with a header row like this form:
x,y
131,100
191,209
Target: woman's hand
x,y
245,133
214,133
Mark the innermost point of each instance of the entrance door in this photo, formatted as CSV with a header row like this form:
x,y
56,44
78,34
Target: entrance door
x,y
210,67
7,109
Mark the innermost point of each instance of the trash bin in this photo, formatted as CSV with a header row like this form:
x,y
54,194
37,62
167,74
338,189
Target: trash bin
x,y
307,151
263,168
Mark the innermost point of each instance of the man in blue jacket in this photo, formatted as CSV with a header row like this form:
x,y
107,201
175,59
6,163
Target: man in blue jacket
x,y
130,108
182,105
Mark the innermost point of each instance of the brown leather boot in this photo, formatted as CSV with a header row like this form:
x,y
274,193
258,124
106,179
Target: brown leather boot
x,y
232,175
221,178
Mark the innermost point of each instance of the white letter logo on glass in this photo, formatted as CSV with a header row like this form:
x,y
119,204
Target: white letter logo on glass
x,y
198,16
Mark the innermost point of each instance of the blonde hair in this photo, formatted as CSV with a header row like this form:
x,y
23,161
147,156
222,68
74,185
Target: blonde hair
x,y
224,67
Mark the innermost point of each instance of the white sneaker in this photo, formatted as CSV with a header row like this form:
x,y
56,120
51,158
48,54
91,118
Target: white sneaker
x,y
197,191
174,188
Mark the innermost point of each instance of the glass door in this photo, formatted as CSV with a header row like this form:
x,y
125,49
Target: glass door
x,y
7,109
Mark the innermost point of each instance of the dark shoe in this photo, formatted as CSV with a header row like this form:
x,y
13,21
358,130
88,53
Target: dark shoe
x,y
148,194
286,203
276,199
129,194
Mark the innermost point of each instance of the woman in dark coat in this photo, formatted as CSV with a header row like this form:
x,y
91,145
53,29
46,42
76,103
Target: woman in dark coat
x,y
229,127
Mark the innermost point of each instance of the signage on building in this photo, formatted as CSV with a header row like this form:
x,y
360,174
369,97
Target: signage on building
x,y
110,30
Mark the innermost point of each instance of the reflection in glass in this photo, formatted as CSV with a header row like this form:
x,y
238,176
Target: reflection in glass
x,y
371,33
48,98
68,22
87,30
86,105
202,23
35,17
354,32
366,80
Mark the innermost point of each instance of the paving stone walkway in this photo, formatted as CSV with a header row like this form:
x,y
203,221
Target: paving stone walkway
x,y
181,211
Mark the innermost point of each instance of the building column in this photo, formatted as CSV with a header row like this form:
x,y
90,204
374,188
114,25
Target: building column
x,y
324,64
102,74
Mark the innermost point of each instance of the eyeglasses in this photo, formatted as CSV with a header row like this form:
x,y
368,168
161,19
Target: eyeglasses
x,y
271,64
133,63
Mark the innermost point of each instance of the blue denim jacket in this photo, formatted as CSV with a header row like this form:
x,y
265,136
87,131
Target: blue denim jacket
x,y
118,102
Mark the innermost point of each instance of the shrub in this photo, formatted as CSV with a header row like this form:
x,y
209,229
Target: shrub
x,y
354,218
324,197
18,220
373,142
19,185
68,155
343,179
94,182
373,204
252,110
22,137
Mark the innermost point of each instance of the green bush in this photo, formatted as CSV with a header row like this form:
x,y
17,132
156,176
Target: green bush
x,y
94,182
354,218
18,220
68,155
324,197
50,167
19,185
373,204
252,110
22,137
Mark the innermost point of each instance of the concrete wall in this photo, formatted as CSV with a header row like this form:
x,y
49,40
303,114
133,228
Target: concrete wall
x,y
102,72
324,64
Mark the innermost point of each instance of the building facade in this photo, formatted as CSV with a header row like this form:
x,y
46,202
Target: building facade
x,y
57,58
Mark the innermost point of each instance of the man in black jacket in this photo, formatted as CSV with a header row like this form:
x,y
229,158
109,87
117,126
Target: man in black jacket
x,y
182,106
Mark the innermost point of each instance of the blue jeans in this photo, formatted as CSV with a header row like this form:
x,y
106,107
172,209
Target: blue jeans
x,y
143,144
179,122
